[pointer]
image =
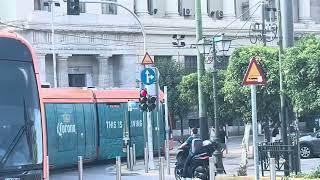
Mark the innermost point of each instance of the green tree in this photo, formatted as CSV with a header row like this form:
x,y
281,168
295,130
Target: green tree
x,y
171,73
188,89
267,96
301,67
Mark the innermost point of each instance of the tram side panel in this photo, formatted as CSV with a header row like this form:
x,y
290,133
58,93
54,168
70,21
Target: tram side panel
x,y
71,132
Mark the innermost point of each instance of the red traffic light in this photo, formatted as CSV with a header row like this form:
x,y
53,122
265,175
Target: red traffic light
x,y
143,93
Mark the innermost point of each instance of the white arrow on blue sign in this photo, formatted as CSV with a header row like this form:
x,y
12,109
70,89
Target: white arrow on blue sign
x,y
148,76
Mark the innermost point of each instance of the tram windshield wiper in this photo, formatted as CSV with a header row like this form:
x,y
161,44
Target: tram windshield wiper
x,y
17,138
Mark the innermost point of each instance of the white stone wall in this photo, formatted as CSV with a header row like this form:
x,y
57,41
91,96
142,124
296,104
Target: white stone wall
x,y
119,38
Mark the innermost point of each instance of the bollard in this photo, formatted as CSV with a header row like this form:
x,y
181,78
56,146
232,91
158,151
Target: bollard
x,y
118,166
128,157
273,169
48,168
80,167
212,168
146,160
167,156
161,169
134,154
314,130
131,159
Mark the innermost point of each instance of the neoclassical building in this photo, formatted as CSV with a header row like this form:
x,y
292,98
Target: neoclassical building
x,y
103,46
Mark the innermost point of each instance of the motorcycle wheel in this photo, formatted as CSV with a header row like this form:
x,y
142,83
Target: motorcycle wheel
x,y
177,172
205,175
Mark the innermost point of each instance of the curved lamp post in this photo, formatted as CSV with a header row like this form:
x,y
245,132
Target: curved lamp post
x,y
221,44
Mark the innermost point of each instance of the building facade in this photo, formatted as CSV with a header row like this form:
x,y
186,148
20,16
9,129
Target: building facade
x,y
103,46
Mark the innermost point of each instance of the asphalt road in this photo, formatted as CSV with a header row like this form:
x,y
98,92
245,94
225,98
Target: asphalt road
x,y
231,163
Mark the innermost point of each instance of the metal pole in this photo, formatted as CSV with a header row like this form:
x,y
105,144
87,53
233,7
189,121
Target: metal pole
x,y
54,60
282,96
134,154
48,168
168,157
217,153
150,141
146,168
263,18
158,109
204,130
131,159
128,157
287,23
272,169
161,169
212,168
255,130
118,161
80,168
166,112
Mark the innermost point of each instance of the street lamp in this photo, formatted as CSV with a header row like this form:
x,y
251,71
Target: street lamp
x,y
179,43
52,4
223,45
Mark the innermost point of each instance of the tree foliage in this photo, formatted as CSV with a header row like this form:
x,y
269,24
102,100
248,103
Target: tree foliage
x,y
188,89
171,73
267,96
301,67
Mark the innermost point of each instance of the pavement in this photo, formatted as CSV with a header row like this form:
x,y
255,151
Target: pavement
x,y
231,164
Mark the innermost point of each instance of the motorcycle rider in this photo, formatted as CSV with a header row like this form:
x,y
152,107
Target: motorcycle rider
x,y
194,142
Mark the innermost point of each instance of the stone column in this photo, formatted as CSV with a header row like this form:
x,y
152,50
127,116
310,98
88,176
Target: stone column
x,y
42,67
62,71
172,8
229,11
258,12
142,7
105,77
305,11
204,9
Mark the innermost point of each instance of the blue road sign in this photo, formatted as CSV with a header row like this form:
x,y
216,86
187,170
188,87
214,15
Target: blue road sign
x,y
148,76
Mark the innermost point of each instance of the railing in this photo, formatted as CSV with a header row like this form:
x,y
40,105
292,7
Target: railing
x,y
278,151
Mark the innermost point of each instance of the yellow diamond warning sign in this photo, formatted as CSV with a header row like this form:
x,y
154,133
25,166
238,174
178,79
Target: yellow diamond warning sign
x,y
147,59
254,74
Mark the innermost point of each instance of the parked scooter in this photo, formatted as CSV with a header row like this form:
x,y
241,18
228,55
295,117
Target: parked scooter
x,y
199,165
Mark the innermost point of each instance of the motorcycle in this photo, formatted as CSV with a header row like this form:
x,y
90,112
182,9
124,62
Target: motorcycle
x,y
199,164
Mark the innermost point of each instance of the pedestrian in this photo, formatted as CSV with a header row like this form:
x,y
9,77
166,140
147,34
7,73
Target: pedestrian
x,y
223,137
275,134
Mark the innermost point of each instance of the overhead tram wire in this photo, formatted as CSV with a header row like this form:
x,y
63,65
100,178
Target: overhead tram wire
x,y
221,30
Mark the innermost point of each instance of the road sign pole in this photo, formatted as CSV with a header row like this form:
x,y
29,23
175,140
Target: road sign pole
x,y
255,130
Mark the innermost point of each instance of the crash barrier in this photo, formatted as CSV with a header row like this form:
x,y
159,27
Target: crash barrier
x,y
118,168
212,168
279,152
161,168
80,167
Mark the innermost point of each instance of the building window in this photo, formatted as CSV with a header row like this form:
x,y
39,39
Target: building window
x,y
159,59
190,64
245,11
77,80
109,8
82,7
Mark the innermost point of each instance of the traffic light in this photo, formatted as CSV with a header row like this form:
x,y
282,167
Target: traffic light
x,y
152,103
73,7
143,100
